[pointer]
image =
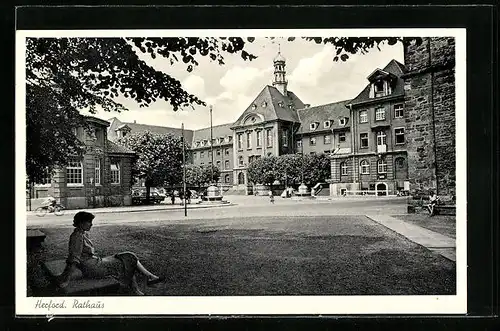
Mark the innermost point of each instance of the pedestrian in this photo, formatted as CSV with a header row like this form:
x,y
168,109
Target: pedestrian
x,y
433,200
172,197
188,196
271,196
122,266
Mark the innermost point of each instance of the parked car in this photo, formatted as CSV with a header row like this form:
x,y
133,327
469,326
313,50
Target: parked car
x,y
139,197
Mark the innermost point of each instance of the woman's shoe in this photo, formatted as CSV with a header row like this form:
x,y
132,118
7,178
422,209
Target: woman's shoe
x,y
156,280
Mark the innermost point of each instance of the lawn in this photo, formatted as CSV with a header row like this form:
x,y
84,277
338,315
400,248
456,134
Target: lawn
x,y
329,255
443,224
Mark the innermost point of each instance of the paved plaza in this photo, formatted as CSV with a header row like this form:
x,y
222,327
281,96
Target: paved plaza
x,y
324,247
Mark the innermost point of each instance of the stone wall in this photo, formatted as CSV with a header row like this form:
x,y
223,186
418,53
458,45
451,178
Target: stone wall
x,y
430,115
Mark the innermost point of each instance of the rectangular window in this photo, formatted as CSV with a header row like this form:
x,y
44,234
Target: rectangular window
x,y
97,175
398,111
363,140
380,114
218,152
285,138
226,164
202,155
227,151
327,139
299,143
399,134
249,139
240,161
74,173
312,141
240,140
115,173
218,164
363,116
269,137
381,138
341,137
259,138
194,155
382,167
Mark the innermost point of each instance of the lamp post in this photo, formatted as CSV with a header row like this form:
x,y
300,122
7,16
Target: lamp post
x,y
211,148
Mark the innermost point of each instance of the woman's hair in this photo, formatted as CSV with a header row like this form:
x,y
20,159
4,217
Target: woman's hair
x,y
82,216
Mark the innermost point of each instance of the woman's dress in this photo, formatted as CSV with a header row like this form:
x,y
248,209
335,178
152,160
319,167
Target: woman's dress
x,y
121,266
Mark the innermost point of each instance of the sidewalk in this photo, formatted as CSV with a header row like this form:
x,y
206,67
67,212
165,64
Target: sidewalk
x,y
434,241
131,209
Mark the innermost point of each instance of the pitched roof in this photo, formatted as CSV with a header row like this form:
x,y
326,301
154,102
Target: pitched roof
x,y
273,105
136,127
218,131
118,149
393,67
319,114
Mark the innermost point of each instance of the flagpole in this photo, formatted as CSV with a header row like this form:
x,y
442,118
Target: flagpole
x,y
184,170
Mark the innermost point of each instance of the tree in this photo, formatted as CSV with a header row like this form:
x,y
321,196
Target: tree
x,y
159,158
317,168
65,75
290,167
211,174
346,46
194,175
263,170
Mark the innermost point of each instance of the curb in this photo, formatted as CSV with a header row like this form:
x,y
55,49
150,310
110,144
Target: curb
x,y
97,211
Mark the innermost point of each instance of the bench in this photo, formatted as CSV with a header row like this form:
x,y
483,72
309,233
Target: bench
x,y
34,238
79,286
445,209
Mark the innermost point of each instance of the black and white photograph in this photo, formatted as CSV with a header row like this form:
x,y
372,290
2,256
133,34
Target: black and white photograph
x,y
240,172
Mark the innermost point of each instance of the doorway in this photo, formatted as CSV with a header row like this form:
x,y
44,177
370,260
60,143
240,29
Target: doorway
x,y
381,189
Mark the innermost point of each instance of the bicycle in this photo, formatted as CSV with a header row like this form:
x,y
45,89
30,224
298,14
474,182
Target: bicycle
x,y
58,210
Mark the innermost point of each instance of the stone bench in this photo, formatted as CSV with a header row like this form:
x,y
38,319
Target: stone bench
x,y
445,209
78,285
34,238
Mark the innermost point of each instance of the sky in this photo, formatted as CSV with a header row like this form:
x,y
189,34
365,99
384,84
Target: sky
x,y
311,73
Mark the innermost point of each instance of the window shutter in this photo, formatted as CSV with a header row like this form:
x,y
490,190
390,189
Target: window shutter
x,y
372,91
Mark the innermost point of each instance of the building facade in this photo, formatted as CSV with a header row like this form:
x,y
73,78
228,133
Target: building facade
x,y
101,178
366,136
377,161
430,109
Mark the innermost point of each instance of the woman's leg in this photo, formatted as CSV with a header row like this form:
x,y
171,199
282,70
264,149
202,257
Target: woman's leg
x,y
135,287
145,271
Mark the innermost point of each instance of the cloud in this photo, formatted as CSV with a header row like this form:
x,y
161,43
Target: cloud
x,y
194,84
239,79
309,70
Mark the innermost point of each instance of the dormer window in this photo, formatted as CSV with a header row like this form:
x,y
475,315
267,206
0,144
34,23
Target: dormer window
x,y
264,104
342,121
205,142
313,126
281,104
221,140
197,144
254,106
327,124
380,88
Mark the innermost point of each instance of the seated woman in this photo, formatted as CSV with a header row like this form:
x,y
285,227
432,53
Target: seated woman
x,y
122,266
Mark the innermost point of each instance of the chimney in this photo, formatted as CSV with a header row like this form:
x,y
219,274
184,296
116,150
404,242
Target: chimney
x,y
135,121
307,105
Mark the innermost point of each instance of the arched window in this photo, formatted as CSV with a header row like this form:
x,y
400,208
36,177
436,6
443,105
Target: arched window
x,y
241,178
343,169
364,167
381,166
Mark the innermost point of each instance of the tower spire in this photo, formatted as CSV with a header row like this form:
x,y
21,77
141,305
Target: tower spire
x,y
280,81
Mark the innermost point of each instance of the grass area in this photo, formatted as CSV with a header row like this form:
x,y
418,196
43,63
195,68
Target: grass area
x,y
443,224
328,255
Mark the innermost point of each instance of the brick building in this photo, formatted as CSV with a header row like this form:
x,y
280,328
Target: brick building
x,y
103,177
366,136
430,115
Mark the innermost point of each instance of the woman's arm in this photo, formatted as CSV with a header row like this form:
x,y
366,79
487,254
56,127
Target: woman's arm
x,y
75,248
